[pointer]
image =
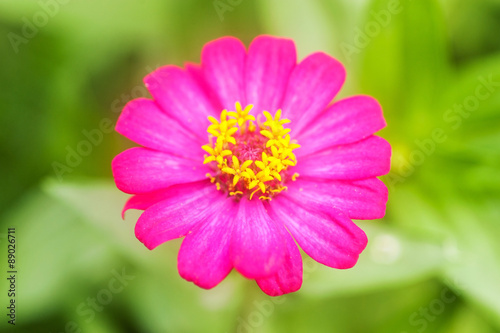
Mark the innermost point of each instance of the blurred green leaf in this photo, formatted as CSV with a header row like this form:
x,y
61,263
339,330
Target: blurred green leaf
x,y
392,258
394,68
367,312
304,22
476,273
466,320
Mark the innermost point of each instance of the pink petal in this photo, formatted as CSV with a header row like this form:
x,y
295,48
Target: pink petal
x,y
313,84
289,277
175,217
223,64
145,200
141,170
364,159
346,121
359,199
326,235
204,254
181,98
269,64
257,245
196,73
144,122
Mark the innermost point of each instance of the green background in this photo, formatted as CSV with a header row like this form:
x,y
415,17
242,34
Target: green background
x,y
431,265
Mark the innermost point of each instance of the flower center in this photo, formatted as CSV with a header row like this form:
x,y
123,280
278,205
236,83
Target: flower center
x,y
249,156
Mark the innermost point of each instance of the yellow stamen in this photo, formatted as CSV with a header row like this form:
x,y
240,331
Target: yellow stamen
x,y
251,195
212,179
238,127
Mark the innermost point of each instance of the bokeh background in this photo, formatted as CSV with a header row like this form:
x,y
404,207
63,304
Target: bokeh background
x,y
432,264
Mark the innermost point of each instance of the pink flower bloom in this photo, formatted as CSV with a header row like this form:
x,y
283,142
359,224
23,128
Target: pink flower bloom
x,y
244,156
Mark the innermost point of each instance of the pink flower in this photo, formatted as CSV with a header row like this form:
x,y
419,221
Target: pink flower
x,y
244,156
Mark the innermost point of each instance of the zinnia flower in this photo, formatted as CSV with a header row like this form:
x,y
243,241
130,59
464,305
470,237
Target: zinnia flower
x,y
244,155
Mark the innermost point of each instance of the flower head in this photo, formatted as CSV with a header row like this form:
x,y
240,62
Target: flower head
x,y
245,156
